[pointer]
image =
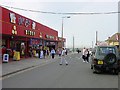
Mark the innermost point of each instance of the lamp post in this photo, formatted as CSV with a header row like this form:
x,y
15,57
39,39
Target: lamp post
x,y
62,28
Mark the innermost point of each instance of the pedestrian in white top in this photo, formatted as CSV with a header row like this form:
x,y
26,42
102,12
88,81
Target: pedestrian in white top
x,y
53,53
63,57
83,54
41,54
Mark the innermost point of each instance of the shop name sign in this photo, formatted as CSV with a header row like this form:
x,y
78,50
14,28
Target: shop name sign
x,y
60,39
27,22
49,37
22,21
30,33
12,18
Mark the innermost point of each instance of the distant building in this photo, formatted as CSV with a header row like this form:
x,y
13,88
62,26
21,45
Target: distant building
x,y
114,39
102,43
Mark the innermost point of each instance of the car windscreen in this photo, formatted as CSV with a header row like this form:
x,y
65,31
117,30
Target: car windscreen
x,y
106,50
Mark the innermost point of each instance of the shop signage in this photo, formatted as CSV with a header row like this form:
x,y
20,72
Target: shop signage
x,y
27,22
117,37
52,43
20,20
56,38
30,33
33,25
12,18
40,35
35,42
60,39
49,37
14,31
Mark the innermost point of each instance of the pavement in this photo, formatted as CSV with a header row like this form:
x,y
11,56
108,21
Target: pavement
x,y
16,66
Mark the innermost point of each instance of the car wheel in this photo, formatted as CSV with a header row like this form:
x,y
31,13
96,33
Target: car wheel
x,y
115,71
110,58
96,71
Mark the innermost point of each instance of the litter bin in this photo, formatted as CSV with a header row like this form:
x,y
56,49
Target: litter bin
x,y
16,56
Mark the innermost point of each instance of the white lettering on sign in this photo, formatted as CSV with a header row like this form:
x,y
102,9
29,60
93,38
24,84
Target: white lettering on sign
x,y
20,20
12,18
27,22
33,25
49,37
30,33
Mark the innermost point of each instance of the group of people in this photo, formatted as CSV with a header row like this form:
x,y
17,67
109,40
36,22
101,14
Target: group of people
x,y
86,55
42,53
61,52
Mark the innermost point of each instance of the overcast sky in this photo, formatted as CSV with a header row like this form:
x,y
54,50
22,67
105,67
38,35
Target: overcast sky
x,y
82,27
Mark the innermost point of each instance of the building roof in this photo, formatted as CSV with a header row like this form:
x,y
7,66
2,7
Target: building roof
x,y
114,38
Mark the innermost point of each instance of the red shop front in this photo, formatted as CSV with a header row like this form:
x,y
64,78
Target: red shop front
x,y
17,32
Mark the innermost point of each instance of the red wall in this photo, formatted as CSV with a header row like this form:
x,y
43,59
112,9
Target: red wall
x,y
0,20
7,26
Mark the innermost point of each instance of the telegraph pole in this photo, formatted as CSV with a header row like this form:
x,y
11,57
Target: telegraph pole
x,y
63,30
62,33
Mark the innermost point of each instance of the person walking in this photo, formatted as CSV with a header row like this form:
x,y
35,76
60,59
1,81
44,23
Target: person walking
x,y
59,52
65,51
87,55
41,54
44,53
30,52
83,54
53,53
47,52
63,57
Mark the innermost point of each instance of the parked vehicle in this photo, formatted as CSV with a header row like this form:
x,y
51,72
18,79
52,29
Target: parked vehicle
x,y
105,58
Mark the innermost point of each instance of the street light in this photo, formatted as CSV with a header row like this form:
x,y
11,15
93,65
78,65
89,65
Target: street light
x,y
62,28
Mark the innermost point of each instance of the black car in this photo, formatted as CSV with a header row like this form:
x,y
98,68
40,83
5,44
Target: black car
x,y
105,58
